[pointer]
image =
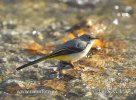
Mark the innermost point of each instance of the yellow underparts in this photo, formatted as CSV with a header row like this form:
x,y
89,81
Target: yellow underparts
x,y
66,58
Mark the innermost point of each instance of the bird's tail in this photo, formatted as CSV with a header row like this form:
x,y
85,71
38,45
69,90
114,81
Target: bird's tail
x,y
33,62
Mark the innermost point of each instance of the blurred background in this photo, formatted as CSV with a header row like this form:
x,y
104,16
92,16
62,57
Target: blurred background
x,y
31,28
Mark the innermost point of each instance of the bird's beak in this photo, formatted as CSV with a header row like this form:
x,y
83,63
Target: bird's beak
x,y
95,38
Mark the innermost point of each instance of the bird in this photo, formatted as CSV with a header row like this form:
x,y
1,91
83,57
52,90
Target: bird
x,y
69,52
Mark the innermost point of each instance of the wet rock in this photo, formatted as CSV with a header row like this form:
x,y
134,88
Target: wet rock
x,y
112,68
9,38
13,85
3,60
50,74
76,92
59,97
129,9
9,84
131,97
76,89
84,3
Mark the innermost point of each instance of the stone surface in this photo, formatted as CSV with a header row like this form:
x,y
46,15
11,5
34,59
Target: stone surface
x,y
29,29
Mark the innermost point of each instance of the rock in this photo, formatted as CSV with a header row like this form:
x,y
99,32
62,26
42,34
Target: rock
x,y
3,60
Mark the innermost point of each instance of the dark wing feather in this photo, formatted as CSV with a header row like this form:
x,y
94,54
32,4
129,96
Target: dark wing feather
x,y
64,51
72,46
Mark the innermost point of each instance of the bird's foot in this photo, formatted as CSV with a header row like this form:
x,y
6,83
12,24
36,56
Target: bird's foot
x,y
75,67
72,65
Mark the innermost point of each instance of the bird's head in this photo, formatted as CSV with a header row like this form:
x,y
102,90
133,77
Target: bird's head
x,y
87,38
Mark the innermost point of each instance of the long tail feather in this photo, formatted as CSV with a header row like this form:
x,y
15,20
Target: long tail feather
x,y
47,57
32,62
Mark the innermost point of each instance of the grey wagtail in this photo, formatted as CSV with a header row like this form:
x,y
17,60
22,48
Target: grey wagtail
x,y
69,52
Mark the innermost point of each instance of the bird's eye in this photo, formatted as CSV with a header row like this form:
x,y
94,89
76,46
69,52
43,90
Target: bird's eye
x,y
89,37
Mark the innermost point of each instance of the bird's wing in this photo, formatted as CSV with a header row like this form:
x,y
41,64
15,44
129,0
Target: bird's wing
x,y
64,51
69,47
74,44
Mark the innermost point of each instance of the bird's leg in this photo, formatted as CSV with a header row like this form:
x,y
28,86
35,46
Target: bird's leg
x,y
73,66
69,63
